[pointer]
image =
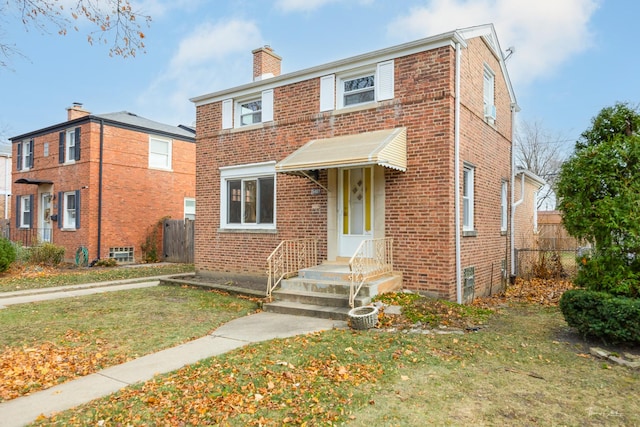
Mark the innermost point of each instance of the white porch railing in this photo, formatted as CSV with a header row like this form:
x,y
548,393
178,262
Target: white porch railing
x,y
289,257
373,258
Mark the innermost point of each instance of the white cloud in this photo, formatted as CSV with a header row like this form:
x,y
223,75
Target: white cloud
x,y
208,57
545,33
308,5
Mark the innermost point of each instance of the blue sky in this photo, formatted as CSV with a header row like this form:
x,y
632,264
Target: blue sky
x,y
572,57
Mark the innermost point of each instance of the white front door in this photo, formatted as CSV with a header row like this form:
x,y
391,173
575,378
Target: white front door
x,y
44,218
355,201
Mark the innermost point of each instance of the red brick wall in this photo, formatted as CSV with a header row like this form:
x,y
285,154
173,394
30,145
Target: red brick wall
x,y
134,197
419,203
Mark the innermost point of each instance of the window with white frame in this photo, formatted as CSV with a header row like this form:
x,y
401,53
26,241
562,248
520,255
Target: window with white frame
x,y
159,153
248,196
503,206
25,211
70,210
358,90
24,158
467,198
250,112
488,95
358,87
69,146
189,208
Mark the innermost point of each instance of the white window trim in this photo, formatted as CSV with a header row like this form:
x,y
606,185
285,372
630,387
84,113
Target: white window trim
x,y
23,201
238,110
351,76
69,223
468,182
254,170
488,95
187,211
169,155
503,206
70,134
26,147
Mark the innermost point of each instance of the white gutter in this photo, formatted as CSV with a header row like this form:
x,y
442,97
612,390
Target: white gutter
x,y
514,204
456,174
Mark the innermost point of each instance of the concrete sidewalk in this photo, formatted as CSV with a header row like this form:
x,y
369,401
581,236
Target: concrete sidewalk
x,y
237,333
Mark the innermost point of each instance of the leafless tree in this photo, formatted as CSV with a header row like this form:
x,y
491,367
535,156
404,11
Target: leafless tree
x,y
540,152
112,21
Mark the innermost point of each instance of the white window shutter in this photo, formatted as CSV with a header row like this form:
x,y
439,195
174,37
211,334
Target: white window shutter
x,y
227,114
327,92
267,105
384,81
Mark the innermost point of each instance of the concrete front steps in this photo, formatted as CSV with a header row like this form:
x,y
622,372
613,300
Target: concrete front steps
x,y
323,292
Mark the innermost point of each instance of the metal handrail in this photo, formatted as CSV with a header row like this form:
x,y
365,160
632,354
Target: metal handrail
x,y
288,258
373,257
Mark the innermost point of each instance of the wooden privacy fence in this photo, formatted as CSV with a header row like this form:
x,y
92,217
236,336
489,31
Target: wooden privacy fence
x,y
177,240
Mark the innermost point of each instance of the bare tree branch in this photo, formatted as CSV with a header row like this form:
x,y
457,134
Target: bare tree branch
x,y
114,21
539,151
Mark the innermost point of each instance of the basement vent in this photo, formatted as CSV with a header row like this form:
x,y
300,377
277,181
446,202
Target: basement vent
x,y
122,255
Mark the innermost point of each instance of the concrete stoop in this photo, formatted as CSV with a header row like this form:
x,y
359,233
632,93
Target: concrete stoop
x,y
323,292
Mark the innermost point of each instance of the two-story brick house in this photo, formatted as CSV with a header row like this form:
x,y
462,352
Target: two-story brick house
x,y
410,144
99,183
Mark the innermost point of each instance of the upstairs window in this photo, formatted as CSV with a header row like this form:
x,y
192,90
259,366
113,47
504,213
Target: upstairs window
x,y
488,95
24,158
251,112
69,146
159,153
358,87
359,90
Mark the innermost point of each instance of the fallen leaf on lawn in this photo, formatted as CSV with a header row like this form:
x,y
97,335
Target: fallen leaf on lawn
x,y
404,378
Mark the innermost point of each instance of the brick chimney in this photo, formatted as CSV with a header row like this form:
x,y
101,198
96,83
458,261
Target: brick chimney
x,y
76,111
266,63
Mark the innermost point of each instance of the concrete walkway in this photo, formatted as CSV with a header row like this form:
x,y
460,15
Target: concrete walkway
x,y
237,333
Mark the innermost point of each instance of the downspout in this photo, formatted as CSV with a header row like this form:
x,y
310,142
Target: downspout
x,y
456,174
514,204
100,188
7,179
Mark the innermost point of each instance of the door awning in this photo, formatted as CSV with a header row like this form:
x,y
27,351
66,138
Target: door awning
x,y
386,148
32,181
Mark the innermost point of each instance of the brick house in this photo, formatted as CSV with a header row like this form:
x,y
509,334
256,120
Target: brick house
x,y
410,144
525,213
101,182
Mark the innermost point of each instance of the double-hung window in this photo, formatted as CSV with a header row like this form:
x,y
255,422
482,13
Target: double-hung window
x,y
24,158
69,210
358,90
248,196
488,95
24,217
159,153
250,112
69,146
467,198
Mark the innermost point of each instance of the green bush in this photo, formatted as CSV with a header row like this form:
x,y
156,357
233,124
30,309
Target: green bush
x,y
106,262
47,254
601,315
7,254
22,253
611,272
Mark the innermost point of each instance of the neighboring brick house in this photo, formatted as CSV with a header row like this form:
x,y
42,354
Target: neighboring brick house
x,y
402,143
101,182
5,181
525,213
